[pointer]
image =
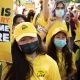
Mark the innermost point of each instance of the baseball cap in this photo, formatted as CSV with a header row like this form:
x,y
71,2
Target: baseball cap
x,y
57,30
24,29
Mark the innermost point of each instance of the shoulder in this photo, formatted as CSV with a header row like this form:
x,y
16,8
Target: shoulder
x,y
5,68
78,24
49,59
73,57
5,64
73,54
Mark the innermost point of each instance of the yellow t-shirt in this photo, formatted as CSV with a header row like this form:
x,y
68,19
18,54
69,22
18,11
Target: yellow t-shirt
x,y
57,24
61,64
40,22
45,68
77,37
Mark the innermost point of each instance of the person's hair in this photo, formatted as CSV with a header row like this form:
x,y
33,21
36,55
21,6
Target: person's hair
x,y
21,68
24,11
29,15
18,16
60,2
67,54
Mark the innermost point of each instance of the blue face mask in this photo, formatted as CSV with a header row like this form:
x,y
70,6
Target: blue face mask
x,y
60,43
59,13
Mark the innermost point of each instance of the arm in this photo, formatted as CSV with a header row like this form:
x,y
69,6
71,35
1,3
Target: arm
x,y
45,9
73,69
75,18
71,74
43,34
73,66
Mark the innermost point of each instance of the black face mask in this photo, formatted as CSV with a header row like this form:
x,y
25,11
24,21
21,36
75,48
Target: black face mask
x,y
29,48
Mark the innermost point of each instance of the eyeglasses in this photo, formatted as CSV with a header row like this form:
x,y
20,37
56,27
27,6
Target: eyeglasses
x,y
59,7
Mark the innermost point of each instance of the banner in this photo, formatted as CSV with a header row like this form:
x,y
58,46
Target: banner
x,y
6,9
29,1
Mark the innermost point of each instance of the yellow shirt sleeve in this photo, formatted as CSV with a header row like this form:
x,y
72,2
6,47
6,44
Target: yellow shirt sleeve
x,y
34,19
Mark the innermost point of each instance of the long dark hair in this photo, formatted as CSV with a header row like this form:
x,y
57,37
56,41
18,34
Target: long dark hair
x,y
30,14
67,54
21,68
18,16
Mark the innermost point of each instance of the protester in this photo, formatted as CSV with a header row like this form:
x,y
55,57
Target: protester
x,y
19,18
30,15
29,58
19,8
78,63
25,12
58,12
59,51
38,20
77,32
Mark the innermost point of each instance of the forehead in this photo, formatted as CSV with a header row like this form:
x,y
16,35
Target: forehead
x,y
20,19
60,4
60,33
30,37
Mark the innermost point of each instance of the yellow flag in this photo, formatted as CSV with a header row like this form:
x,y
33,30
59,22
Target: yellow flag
x,y
6,9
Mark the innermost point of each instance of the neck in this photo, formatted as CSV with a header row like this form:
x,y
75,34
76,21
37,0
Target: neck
x,y
59,49
59,18
33,55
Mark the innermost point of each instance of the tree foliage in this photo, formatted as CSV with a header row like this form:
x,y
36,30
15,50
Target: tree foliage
x,y
76,1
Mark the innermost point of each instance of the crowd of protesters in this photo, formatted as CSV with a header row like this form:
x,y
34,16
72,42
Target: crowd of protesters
x,y
45,45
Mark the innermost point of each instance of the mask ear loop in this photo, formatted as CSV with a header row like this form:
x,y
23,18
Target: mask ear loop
x,y
19,47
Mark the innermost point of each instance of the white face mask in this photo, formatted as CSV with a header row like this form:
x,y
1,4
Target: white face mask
x,y
59,13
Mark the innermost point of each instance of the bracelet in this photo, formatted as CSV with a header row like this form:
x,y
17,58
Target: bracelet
x,y
44,31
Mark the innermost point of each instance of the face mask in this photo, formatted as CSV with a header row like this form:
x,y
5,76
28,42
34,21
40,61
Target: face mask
x,y
59,13
29,48
60,43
